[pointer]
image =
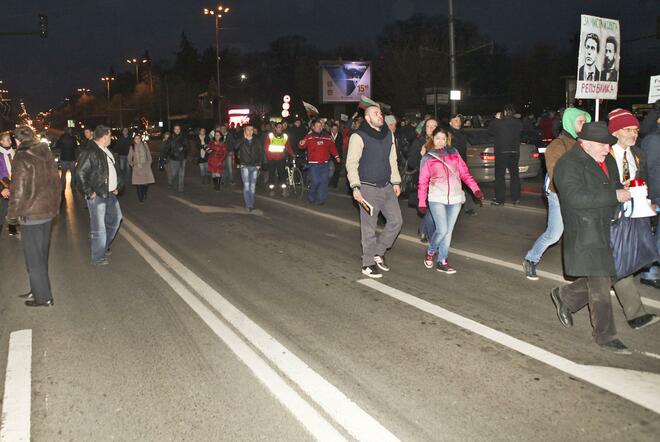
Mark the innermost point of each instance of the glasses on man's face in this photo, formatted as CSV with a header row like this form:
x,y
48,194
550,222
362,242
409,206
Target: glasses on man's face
x,y
631,130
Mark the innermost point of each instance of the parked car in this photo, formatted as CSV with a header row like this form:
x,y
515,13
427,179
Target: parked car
x,y
481,157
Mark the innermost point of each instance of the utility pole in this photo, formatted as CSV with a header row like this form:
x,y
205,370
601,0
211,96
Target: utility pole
x,y
452,56
217,64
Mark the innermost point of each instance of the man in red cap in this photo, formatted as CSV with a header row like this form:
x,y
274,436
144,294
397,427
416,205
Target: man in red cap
x,y
631,164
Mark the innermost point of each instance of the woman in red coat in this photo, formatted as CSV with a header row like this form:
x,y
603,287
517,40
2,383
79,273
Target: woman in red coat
x,y
218,153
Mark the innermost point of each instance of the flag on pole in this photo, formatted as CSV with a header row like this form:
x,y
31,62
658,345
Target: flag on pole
x,y
366,102
311,110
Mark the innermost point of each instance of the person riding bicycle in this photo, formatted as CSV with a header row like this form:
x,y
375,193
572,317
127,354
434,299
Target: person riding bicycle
x,y
277,147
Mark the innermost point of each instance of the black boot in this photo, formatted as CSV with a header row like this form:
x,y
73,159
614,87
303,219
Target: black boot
x,y
216,184
12,230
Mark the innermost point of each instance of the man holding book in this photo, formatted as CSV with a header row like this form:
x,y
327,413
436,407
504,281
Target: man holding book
x,y
371,166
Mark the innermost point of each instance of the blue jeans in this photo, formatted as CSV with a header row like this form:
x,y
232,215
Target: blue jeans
x,y
203,169
552,233
249,177
653,272
318,189
105,217
444,216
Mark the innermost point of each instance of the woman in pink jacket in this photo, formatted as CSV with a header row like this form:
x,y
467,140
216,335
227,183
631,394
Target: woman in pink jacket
x,y
440,178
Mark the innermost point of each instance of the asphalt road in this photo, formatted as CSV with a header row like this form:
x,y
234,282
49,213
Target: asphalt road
x,y
212,323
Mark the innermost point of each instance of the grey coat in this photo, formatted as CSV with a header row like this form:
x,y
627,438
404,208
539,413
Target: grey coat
x,y
139,158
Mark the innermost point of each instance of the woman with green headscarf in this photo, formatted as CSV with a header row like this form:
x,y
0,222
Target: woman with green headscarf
x,y
572,122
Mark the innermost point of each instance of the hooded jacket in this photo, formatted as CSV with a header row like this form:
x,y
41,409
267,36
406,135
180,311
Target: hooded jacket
x,y
35,186
440,178
562,144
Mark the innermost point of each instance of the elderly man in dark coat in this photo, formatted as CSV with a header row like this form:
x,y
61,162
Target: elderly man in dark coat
x,y
589,189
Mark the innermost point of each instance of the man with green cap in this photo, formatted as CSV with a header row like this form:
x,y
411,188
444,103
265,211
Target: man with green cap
x,y
572,121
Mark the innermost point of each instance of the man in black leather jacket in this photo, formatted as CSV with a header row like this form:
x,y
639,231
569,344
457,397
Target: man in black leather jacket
x,y
99,180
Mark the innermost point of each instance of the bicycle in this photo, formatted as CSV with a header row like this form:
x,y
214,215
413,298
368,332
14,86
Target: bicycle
x,y
295,178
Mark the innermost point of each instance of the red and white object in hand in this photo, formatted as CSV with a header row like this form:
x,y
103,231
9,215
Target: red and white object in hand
x,y
641,205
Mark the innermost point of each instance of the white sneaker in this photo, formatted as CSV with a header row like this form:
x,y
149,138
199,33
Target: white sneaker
x,y
372,271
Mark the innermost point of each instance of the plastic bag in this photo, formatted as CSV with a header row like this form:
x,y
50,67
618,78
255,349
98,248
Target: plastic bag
x,y
632,243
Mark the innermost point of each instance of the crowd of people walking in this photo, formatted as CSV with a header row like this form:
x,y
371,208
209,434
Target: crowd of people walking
x,y
590,168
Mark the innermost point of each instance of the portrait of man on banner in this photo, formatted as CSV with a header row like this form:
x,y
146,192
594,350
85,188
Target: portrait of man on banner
x,y
598,59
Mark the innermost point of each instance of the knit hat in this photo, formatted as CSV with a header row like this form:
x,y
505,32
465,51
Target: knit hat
x,y
620,118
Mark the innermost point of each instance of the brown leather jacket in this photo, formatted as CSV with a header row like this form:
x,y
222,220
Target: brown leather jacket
x,y
555,150
35,186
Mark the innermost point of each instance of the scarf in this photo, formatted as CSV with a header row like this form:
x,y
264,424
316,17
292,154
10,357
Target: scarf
x,y
377,134
5,162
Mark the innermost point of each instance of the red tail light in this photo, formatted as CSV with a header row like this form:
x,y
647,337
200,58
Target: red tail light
x,y
487,156
536,155
547,140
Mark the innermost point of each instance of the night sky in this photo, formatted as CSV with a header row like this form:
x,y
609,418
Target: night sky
x,y
87,37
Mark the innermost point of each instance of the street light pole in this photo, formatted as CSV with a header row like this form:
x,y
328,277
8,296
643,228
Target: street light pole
x,y
136,62
452,56
217,65
218,12
107,84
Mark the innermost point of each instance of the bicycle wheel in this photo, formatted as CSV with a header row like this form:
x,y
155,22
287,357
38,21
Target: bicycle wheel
x,y
298,186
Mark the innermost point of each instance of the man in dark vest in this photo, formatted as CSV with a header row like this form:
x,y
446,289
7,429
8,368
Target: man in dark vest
x,y
372,173
589,189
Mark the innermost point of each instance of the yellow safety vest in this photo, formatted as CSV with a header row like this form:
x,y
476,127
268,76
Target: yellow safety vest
x,y
277,144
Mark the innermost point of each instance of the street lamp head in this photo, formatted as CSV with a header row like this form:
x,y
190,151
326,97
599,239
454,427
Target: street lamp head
x,y
243,77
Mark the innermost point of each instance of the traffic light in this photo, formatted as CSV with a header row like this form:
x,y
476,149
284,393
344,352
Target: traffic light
x,y
43,25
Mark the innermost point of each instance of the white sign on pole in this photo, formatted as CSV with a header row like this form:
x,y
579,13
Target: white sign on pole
x,y
345,82
598,60
654,89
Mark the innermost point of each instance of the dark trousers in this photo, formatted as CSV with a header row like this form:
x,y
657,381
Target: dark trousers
x,y
36,240
595,292
142,190
504,161
276,172
334,179
384,201
4,206
318,189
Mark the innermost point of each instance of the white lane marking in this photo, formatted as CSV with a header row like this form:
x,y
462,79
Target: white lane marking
x,y
215,209
336,404
477,257
311,419
16,408
642,388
